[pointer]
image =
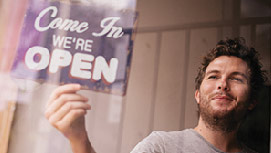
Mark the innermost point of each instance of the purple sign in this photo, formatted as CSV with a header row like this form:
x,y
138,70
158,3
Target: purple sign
x,y
75,43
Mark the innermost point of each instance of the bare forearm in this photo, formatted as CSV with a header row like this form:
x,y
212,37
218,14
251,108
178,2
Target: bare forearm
x,y
81,145
66,110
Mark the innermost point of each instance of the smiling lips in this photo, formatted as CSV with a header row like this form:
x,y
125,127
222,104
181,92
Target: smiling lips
x,y
221,97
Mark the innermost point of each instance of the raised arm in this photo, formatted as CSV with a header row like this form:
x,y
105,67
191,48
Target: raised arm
x,y
66,111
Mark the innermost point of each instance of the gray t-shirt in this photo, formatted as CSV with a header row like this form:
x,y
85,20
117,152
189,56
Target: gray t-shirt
x,y
186,141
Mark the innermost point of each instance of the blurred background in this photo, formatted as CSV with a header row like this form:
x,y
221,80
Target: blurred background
x,y
172,36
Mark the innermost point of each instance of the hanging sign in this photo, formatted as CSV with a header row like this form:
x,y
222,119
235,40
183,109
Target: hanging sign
x,y
74,43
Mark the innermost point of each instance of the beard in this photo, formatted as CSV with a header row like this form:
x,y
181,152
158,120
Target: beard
x,y
222,120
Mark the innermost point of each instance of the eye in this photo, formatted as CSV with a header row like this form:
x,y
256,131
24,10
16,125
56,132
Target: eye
x,y
212,77
237,79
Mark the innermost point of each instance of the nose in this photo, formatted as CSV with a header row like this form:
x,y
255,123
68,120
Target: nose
x,y
222,85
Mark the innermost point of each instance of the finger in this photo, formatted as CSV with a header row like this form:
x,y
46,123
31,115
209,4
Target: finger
x,y
70,118
64,98
63,111
68,88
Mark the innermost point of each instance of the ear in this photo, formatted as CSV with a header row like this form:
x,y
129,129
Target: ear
x,y
252,105
197,95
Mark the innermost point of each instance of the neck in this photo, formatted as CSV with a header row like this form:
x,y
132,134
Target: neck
x,y
225,141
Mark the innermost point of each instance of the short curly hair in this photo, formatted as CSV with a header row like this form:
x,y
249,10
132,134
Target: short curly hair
x,y
236,47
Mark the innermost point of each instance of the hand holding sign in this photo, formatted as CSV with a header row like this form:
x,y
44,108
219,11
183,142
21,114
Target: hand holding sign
x,y
66,111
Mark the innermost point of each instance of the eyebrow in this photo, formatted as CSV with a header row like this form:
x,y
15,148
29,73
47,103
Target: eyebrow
x,y
212,71
240,73
233,73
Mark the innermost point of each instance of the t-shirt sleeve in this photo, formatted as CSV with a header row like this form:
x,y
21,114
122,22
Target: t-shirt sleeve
x,y
152,144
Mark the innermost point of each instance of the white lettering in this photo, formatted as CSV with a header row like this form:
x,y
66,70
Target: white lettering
x,y
42,13
81,63
115,32
79,43
60,58
88,45
83,44
81,66
44,57
66,24
102,68
67,42
55,23
58,41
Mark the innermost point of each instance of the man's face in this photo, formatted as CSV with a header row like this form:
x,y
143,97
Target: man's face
x,y
225,89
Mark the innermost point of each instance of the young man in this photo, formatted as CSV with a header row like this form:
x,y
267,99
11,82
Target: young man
x,y
226,87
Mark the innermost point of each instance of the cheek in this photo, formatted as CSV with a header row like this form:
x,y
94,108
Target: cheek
x,y
241,92
207,87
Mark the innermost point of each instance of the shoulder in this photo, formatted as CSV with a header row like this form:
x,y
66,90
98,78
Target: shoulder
x,y
158,141
152,143
164,136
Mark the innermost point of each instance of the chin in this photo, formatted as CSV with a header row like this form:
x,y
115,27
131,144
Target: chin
x,y
223,116
221,113
222,108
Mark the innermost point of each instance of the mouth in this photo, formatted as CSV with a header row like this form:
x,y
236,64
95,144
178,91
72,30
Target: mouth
x,y
222,98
